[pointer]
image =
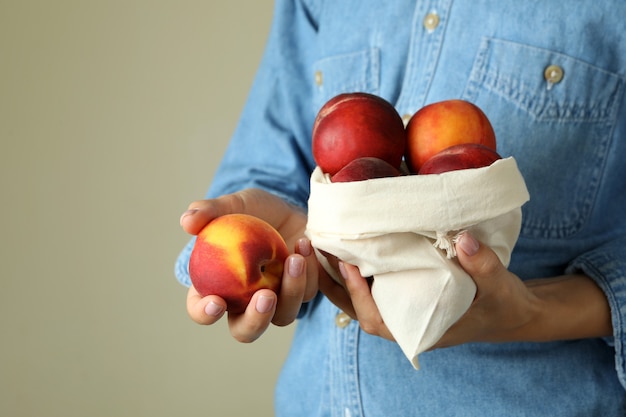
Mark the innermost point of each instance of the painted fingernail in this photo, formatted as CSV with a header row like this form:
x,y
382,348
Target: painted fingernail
x,y
342,269
304,246
188,213
295,266
264,304
213,309
468,244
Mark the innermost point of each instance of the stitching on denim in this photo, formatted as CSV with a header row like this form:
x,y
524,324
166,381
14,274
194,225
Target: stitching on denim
x,y
552,107
367,61
589,266
545,106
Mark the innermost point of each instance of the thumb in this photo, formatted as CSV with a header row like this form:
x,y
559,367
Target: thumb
x,y
478,260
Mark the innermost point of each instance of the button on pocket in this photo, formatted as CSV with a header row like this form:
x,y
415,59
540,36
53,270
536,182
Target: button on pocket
x,y
357,71
554,113
553,75
319,78
431,21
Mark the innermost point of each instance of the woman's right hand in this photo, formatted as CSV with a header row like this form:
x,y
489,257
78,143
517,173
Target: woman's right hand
x,y
300,277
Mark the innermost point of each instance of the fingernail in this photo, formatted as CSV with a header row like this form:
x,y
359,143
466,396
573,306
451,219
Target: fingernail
x,y
296,266
468,244
188,213
264,304
304,246
213,309
342,269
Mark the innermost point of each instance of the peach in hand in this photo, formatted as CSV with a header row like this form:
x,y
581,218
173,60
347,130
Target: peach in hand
x,y
440,125
236,255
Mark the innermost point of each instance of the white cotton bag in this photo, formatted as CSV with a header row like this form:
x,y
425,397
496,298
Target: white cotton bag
x,y
401,231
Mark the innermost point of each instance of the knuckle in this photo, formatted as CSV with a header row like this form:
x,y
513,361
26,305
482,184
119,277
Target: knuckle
x,y
292,290
198,316
369,327
490,265
282,321
309,294
244,337
247,331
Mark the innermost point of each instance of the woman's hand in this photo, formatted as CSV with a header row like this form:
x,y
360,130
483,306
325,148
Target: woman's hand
x,y
503,305
505,308
299,282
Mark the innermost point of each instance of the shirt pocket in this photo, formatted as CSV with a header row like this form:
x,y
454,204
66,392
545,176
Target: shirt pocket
x,y
350,72
555,114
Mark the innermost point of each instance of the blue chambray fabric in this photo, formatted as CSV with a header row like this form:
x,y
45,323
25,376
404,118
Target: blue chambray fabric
x,y
568,137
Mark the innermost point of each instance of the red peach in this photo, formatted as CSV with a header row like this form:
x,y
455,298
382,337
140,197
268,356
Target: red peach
x,y
457,157
234,256
355,125
365,168
440,125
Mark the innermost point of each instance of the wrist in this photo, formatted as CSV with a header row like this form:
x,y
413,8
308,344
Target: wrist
x,y
565,308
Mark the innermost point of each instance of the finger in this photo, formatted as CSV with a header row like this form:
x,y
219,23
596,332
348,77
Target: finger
x,y
197,215
254,202
304,248
250,325
478,260
201,212
336,293
204,310
366,309
292,290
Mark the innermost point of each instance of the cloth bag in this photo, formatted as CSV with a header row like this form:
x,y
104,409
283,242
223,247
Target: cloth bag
x,y
401,231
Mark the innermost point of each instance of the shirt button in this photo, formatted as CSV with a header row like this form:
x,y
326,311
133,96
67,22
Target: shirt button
x,y
342,320
319,79
553,74
431,21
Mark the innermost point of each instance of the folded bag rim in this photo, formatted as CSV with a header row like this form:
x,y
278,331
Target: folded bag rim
x,y
443,202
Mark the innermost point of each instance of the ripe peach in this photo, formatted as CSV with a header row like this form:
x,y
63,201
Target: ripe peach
x,y
354,125
364,169
440,125
463,156
234,256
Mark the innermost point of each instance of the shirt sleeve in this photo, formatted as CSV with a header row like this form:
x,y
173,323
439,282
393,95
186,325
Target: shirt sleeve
x,y
606,265
270,148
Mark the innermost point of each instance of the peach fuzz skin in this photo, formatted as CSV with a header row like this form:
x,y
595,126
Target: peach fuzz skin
x,y
365,168
456,157
440,125
236,255
355,125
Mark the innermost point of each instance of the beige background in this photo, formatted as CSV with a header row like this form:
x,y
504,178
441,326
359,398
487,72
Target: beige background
x,y
113,115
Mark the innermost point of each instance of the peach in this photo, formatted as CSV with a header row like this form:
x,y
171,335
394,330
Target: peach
x,y
234,256
440,125
355,125
463,156
365,168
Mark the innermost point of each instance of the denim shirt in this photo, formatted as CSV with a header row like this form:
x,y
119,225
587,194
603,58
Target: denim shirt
x,y
550,75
